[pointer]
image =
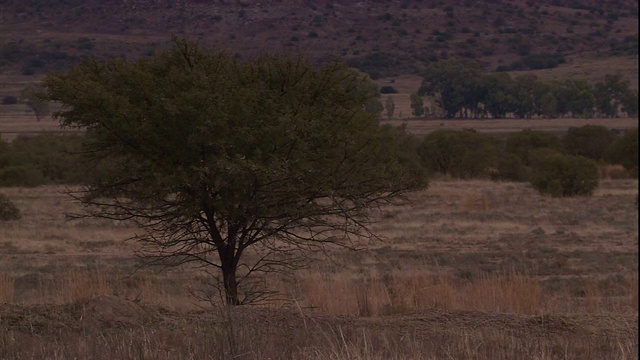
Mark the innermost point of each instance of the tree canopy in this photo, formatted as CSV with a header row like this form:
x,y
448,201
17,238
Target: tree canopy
x,y
214,156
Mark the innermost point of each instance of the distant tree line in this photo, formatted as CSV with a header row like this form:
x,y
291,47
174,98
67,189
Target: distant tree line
x,y
462,91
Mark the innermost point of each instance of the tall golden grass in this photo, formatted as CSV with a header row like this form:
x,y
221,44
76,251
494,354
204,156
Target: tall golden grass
x,y
365,296
6,288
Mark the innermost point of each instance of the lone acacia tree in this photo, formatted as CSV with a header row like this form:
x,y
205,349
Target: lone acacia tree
x,y
213,156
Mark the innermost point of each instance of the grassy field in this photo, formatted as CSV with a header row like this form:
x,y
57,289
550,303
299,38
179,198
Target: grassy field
x,y
468,269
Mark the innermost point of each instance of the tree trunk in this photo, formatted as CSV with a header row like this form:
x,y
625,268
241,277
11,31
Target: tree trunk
x,y
230,282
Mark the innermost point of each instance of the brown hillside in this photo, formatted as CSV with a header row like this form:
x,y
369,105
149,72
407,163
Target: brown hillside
x,y
393,41
382,37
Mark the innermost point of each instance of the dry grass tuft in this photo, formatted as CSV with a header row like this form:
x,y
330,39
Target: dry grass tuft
x,y
78,285
6,288
507,293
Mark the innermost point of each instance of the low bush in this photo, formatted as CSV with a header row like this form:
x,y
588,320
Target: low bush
x,y
591,141
561,175
510,168
21,175
8,210
624,151
523,143
462,154
42,159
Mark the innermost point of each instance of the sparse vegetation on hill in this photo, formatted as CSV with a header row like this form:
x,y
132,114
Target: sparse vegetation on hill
x,y
381,38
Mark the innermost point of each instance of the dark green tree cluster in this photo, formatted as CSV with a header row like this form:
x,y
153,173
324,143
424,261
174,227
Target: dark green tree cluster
x,y
462,91
39,160
559,166
462,154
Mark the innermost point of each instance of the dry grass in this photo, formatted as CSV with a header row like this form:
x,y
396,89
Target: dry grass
x,y
6,288
469,269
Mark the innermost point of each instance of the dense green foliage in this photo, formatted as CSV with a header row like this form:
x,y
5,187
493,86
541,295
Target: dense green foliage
x,y
462,91
417,105
467,154
523,143
561,175
42,159
461,154
591,141
624,151
215,155
388,90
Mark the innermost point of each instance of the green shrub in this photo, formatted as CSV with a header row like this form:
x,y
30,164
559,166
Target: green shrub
x,y
591,141
561,175
538,156
21,175
522,143
624,151
510,168
462,154
54,156
8,210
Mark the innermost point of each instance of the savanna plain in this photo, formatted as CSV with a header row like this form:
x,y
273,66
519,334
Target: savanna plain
x,y
470,269
465,270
